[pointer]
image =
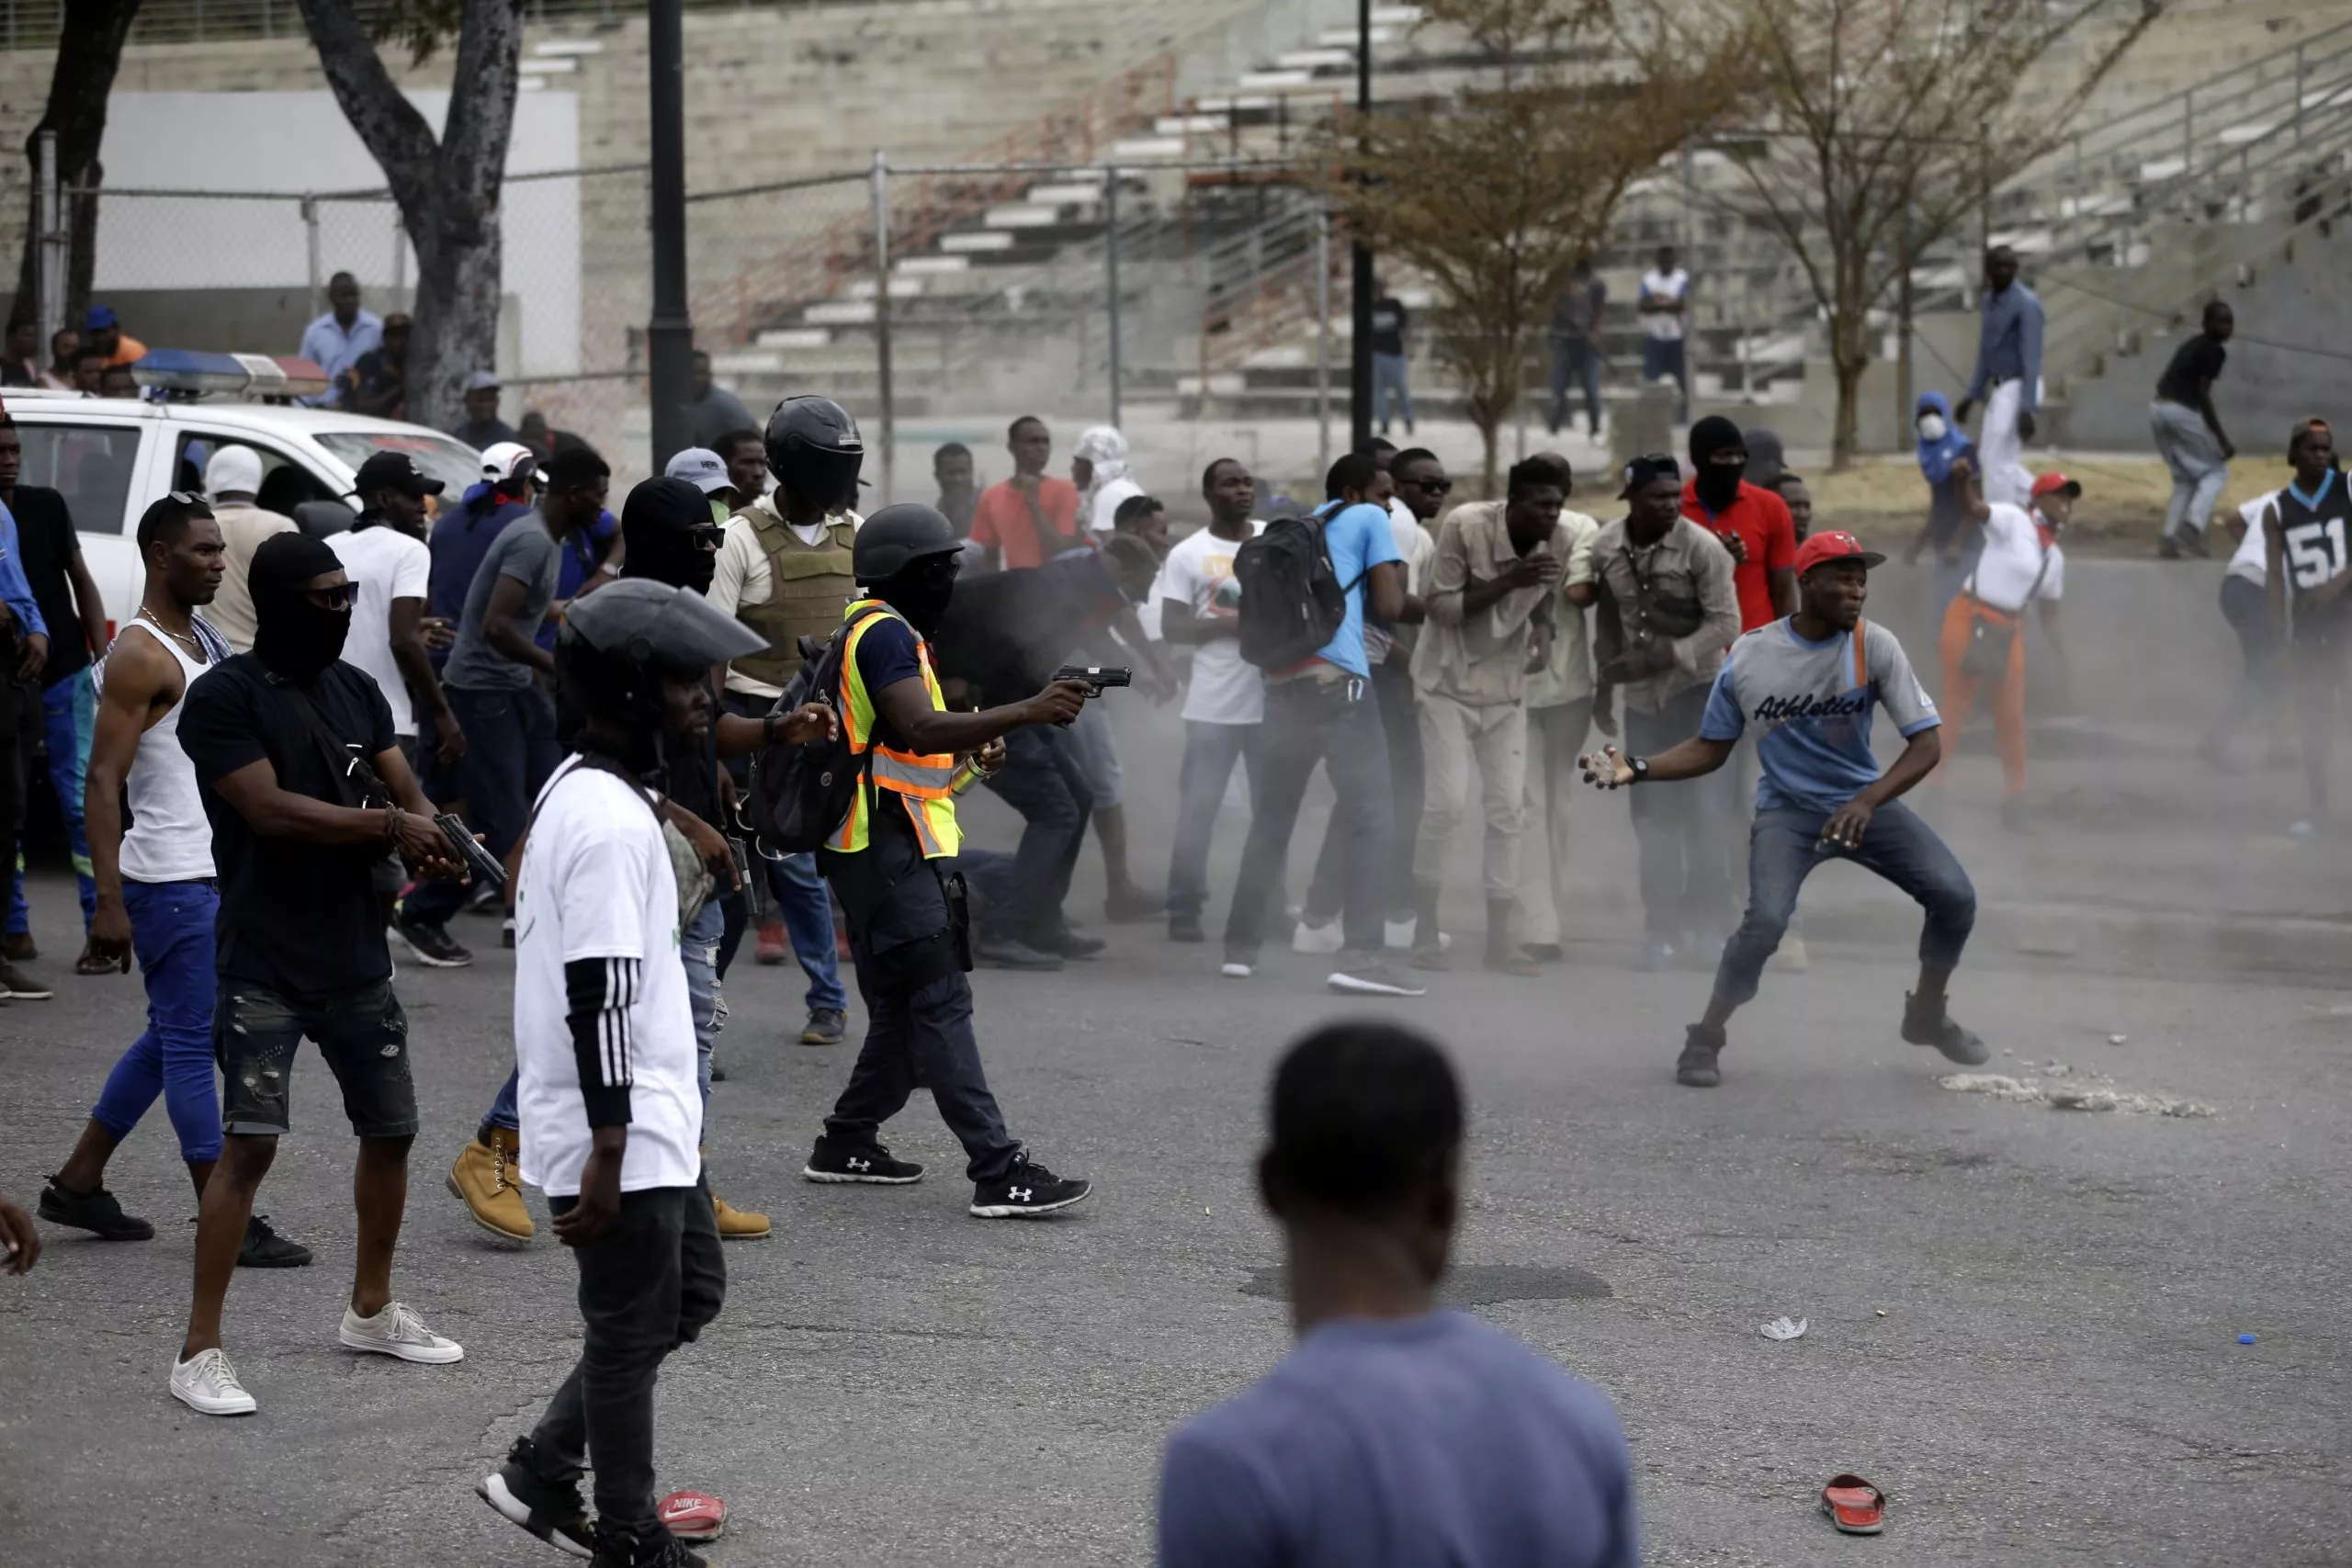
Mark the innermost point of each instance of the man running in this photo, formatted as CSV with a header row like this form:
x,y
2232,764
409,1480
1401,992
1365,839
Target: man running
x,y
301,813
1811,682
156,896
2310,566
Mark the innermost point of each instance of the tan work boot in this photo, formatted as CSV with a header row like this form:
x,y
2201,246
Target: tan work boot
x,y
734,1223
484,1176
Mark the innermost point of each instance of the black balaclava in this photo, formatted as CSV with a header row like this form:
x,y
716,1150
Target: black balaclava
x,y
660,522
1717,485
921,589
294,638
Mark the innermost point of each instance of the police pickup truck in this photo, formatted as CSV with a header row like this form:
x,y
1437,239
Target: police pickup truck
x,y
112,456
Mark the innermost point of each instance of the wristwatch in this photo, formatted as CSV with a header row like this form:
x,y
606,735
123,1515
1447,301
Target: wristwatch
x,y
1641,766
767,729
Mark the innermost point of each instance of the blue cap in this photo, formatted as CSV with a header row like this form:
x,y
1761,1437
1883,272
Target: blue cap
x,y
100,318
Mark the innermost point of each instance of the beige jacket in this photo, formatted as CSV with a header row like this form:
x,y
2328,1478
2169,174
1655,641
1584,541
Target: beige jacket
x,y
1478,660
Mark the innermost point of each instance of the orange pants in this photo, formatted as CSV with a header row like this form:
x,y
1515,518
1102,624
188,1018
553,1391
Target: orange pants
x,y
2008,696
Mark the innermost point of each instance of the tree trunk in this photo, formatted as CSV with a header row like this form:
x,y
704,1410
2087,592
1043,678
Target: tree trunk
x,y
89,51
1849,370
447,189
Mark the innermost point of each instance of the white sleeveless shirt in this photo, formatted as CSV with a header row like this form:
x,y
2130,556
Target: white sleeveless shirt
x,y
169,839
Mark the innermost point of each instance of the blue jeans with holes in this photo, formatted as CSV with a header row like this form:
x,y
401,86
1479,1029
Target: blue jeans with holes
x,y
172,933
1785,845
69,710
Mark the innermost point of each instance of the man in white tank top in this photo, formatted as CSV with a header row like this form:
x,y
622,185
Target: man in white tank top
x,y
155,889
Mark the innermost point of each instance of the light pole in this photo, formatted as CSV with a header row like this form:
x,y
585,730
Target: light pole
x,y
670,335
1360,348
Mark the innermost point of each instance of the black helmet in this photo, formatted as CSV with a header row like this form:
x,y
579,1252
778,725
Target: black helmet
x,y
617,643
896,535
814,450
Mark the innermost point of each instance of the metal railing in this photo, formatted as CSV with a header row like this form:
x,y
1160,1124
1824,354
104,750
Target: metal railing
x,y
35,24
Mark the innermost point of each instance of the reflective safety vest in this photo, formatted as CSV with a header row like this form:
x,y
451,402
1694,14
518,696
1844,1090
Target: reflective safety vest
x,y
924,781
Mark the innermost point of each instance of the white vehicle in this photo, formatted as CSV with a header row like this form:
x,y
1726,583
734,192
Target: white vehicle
x,y
111,457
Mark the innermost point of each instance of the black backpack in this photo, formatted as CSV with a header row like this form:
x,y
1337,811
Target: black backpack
x,y
800,794
1292,601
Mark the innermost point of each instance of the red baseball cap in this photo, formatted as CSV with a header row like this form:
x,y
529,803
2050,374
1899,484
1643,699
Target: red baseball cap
x,y
1819,550
2050,484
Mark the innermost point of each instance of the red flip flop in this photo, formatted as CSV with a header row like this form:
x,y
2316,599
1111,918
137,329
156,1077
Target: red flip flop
x,y
1854,1505
694,1517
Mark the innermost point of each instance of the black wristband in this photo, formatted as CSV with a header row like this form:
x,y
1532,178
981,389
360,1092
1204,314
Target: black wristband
x,y
1641,766
767,729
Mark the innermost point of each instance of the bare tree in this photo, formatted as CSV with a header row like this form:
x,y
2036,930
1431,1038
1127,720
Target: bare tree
x,y
1886,123
446,187
89,51
1495,194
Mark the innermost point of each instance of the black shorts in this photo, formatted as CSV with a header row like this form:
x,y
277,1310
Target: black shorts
x,y
362,1033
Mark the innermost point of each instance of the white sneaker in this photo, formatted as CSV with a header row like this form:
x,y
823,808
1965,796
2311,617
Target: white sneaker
x,y
1321,940
398,1331
207,1385
1235,969
1793,956
1399,933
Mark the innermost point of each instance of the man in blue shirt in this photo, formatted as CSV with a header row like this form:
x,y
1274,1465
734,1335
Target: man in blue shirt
x,y
1398,1434
336,340
1324,711
2008,364
1810,682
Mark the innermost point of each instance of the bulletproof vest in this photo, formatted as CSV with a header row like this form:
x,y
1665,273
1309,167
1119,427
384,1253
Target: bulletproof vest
x,y
807,586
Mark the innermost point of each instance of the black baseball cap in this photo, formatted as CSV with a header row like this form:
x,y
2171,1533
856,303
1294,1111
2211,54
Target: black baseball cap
x,y
395,470
1643,472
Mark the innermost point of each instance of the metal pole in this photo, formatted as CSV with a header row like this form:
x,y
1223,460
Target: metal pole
x,y
669,333
399,254
1322,343
1360,347
51,252
311,244
882,324
1110,268
1905,402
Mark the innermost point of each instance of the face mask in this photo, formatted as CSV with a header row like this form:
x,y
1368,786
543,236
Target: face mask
x,y
1718,485
672,557
1932,427
923,596
296,639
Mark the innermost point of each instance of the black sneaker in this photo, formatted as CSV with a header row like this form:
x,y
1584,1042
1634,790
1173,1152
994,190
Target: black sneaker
x,y
482,900
432,944
1931,1025
96,1212
1005,953
838,1163
1185,928
665,1550
264,1248
14,982
549,1509
1695,1068
1064,942
1373,979
826,1026
1026,1191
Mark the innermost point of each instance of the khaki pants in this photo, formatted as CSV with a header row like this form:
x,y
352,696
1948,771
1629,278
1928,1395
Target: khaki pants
x,y
1453,734
1555,736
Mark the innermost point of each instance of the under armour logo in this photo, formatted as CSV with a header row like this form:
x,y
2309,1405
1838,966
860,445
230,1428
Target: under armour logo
x,y
1019,1194
861,1165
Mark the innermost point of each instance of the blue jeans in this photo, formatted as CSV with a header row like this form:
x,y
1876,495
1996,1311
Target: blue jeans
x,y
1391,387
1785,845
1392,687
172,933
1210,752
1336,722
806,908
510,751
1664,356
1044,780
1575,360
69,709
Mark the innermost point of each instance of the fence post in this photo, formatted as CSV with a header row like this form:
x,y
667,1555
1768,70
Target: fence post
x,y
2298,94
882,324
311,248
51,252
1322,340
1110,268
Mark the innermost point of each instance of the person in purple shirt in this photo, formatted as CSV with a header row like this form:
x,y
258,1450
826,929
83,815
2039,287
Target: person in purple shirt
x,y
1398,1434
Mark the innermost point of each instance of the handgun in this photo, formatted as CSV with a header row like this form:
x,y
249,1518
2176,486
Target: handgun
x,y
1098,676
485,866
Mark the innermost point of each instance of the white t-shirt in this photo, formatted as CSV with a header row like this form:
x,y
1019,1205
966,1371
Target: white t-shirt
x,y
2013,556
2252,560
1103,515
1227,689
1665,325
596,883
387,565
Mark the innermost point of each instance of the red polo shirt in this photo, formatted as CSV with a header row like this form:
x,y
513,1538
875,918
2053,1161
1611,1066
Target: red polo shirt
x,y
1002,523
1761,520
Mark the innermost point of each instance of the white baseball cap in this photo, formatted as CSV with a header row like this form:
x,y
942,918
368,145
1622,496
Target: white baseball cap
x,y
504,460
699,467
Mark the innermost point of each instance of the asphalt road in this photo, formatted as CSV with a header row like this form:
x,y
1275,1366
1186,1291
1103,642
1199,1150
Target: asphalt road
x,y
2024,1321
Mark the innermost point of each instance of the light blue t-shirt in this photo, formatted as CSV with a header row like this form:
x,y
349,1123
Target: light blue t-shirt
x,y
1433,1440
1815,702
1359,538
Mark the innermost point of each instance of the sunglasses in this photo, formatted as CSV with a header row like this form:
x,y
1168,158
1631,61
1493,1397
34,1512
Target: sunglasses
x,y
1434,487
705,536
341,596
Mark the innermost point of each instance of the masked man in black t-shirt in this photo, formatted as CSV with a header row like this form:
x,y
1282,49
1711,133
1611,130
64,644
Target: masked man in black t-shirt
x,y
304,785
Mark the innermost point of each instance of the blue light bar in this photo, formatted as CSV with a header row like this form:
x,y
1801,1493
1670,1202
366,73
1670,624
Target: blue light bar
x,y
190,373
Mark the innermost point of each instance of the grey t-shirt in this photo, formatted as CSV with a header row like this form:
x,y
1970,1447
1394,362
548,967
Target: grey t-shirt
x,y
525,551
